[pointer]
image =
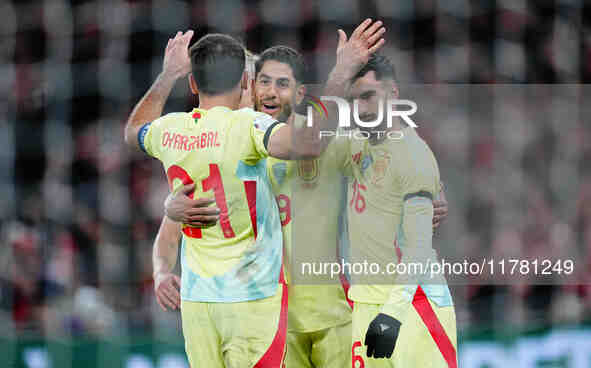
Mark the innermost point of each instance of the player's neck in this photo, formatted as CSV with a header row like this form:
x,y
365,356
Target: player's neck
x,y
230,100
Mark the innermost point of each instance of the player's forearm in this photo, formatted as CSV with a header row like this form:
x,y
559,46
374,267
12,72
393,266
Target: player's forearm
x,y
415,254
338,81
166,245
307,141
418,236
291,143
149,108
300,141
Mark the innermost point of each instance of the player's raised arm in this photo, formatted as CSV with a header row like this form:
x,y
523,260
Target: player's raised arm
x,y
164,255
351,56
292,142
353,53
176,65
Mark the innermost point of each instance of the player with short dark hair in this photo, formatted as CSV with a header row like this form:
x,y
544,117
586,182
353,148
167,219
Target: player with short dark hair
x,y
233,298
380,65
319,322
409,320
279,78
217,63
285,55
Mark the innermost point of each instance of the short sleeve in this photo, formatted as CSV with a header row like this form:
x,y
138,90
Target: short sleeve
x,y
263,126
141,137
147,138
416,176
150,134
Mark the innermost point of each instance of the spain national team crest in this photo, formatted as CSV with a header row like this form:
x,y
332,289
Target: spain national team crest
x,y
366,162
380,168
308,172
280,171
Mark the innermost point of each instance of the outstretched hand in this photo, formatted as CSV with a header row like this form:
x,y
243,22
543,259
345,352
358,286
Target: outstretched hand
x,y
354,52
177,63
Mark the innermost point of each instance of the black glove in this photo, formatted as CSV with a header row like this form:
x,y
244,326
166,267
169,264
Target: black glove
x,y
381,336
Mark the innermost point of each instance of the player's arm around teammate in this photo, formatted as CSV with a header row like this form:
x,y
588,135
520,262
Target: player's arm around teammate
x,y
440,208
164,254
179,207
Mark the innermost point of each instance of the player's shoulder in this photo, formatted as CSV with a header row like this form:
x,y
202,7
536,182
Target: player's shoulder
x,y
414,157
411,144
173,118
260,120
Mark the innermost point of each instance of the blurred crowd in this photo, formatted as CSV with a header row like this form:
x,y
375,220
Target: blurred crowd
x,y
79,211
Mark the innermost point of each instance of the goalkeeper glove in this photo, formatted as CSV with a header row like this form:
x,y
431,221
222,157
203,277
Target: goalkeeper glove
x,y
381,336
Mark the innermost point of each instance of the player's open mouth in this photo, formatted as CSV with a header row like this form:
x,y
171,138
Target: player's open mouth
x,y
270,109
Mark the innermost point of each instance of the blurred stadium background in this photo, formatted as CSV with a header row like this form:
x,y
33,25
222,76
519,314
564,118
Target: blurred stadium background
x,y
79,212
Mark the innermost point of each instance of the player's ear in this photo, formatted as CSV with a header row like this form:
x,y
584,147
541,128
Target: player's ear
x,y
193,84
300,94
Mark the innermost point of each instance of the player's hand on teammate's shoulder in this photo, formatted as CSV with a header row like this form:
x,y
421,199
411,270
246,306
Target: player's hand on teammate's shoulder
x,y
180,207
177,62
354,52
166,287
440,209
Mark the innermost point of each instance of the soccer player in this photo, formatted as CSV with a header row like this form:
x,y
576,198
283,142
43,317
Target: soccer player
x,y
410,321
231,310
319,323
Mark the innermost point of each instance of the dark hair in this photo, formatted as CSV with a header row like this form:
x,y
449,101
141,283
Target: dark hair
x,y
380,65
283,54
217,63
